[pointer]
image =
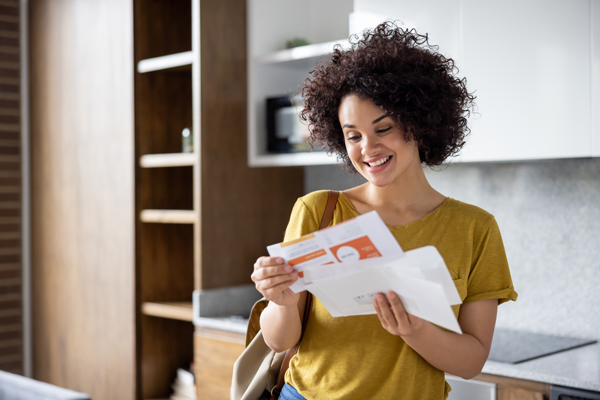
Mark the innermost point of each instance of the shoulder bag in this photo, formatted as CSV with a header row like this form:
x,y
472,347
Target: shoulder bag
x,y
259,373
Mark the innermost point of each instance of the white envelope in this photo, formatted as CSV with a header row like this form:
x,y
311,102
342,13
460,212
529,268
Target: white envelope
x,y
425,262
431,263
353,294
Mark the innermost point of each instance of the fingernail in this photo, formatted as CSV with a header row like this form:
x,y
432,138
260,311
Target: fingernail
x,y
279,261
392,295
289,268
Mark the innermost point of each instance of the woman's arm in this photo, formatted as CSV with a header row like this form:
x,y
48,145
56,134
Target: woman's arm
x,y
282,325
281,321
462,355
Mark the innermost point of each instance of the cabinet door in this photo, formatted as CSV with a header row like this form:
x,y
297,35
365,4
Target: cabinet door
x,y
595,78
438,18
215,353
529,63
463,389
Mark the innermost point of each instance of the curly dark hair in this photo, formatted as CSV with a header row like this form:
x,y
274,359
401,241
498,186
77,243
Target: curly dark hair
x,y
400,72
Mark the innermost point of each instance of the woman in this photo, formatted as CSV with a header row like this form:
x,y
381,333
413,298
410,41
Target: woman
x,y
388,106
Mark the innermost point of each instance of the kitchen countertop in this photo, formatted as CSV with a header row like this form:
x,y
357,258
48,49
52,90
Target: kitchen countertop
x,y
578,368
230,324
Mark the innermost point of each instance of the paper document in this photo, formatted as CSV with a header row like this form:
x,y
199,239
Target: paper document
x,y
363,237
348,264
419,277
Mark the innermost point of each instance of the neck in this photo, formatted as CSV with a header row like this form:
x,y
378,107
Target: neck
x,y
413,191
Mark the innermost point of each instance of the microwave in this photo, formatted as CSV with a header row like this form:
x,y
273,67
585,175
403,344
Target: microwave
x,y
286,133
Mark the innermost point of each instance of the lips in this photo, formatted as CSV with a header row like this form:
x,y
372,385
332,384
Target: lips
x,y
379,162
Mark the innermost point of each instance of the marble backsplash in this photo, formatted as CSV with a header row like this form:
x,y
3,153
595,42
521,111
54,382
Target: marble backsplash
x,y
549,215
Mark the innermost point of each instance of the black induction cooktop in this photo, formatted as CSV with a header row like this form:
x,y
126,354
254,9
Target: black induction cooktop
x,y
515,347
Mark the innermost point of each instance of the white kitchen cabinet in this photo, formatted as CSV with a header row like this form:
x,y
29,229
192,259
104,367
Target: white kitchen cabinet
x,y
463,389
439,18
595,21
274,71
529,63
534,66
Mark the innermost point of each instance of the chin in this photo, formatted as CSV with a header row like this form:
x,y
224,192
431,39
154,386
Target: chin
x,y
378,182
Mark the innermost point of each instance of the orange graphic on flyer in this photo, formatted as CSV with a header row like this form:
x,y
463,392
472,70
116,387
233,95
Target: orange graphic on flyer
x,y
301,273
363,246
305,258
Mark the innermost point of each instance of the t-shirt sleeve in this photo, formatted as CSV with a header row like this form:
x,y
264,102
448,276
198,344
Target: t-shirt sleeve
x,y
302,221
490,275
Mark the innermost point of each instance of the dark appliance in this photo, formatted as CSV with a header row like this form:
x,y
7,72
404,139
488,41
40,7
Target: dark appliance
x,y
285,132
566,393
515,347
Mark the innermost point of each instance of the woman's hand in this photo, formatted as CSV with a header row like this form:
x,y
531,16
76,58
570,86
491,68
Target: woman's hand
x,y
273,279
393,316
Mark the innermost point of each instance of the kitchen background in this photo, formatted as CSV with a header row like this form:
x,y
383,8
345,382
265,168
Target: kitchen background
x,y
534,68
124,227
549,215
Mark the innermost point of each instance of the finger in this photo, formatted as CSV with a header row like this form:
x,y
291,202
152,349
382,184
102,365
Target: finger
x,y
273,281
386,312
279,288
267,261
398,309
378,311
267,272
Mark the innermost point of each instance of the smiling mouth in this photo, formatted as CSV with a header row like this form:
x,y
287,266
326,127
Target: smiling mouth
x,y
379,162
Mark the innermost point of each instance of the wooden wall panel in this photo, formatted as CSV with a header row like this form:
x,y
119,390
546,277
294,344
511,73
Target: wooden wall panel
x,y
243,209
11,309
81,66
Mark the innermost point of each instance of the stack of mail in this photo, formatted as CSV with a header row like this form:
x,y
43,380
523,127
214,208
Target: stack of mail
x,y
346,265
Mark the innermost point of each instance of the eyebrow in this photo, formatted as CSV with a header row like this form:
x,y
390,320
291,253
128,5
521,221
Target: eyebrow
x,y
372,123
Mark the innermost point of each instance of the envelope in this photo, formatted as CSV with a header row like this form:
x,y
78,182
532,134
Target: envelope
x,y
419,277
353,294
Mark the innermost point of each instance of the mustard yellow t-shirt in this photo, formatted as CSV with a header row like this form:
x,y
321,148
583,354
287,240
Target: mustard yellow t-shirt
x,y
354,357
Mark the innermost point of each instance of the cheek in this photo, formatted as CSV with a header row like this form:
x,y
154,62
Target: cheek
x,y
353,153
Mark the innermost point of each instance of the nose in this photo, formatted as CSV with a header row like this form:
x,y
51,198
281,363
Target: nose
x,y
370,145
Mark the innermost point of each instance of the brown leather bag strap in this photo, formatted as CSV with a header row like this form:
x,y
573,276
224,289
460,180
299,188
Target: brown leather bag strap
x,y
325,221
329,209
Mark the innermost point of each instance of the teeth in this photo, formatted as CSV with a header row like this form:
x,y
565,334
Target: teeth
x,y
378,162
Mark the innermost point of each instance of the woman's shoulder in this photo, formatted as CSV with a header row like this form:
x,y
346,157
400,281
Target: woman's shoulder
x,y
315,202
468,212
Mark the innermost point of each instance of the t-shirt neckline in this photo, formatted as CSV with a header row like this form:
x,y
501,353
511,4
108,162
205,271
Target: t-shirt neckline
x,y
418,223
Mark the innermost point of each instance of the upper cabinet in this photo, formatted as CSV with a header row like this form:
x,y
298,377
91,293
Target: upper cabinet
x,y
274,71
534,67
529,64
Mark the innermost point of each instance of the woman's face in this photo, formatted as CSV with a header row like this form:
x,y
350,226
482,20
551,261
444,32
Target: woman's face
x,y
375,145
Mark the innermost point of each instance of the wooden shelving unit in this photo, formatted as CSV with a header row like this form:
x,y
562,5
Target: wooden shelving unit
x,y
168,216
168,160
166,62
165,202
203,217
174,310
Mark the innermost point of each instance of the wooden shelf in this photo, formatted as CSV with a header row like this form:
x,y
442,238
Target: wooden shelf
x,y
172,310
165,62
168,216
167,160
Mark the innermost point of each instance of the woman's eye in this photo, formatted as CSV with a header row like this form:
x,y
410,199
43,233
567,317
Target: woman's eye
x,y
384,130
353,137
